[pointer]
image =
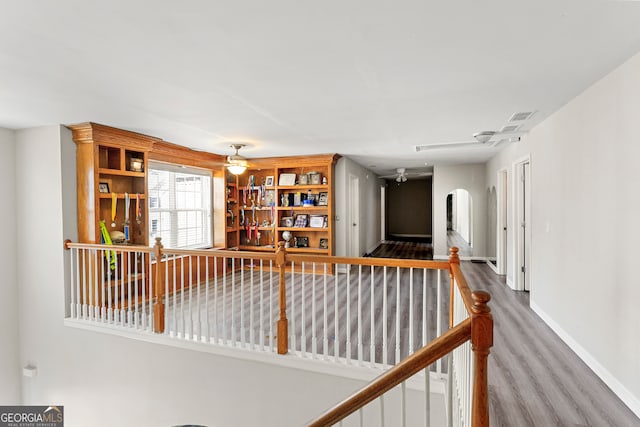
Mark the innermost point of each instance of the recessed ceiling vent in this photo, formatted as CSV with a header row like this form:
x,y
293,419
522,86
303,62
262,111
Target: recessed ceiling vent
x,y
509,128
518,117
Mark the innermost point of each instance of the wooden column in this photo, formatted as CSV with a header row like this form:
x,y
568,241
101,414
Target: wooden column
x,y
158,289
481,343
283,323
453,259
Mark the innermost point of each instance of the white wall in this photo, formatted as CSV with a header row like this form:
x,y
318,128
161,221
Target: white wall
x,y
9,326
104,380
370,186
585,209
445,180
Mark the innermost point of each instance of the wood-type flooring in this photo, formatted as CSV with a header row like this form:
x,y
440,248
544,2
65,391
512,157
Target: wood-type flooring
x,y
535,379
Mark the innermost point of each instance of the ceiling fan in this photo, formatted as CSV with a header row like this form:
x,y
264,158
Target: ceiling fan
x,y
401,175
486,138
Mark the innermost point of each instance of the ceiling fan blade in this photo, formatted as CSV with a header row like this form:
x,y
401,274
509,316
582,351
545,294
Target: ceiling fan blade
x,y
425,147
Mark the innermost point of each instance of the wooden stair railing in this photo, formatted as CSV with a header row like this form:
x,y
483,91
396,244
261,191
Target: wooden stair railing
x,y
396,375
477,328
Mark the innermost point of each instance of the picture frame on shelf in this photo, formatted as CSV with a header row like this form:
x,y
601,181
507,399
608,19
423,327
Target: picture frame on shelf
x,y
287,179
324,243
286,221
301,221
314,178
302,179
323,198
317,221
103,187
268,181
301,242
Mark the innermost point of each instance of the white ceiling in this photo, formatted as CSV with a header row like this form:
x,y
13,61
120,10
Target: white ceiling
x,y
367,79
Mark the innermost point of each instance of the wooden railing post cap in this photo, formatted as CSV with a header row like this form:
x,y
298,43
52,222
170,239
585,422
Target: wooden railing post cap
x,y
453,255
158,241
480,300
66,244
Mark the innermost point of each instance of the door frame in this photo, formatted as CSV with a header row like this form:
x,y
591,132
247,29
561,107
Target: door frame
x,y
522,215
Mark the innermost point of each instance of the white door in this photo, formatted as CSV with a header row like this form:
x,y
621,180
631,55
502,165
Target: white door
x,y
353,202
524,220
501,229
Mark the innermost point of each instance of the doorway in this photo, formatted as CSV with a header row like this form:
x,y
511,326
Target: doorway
x,y
460,221
353,233
523,218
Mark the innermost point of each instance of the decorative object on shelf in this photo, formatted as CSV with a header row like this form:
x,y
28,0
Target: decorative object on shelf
x,y
286,236
317,221
117,237
314,178
301,220
268,182
301,241
114,208
324,243
103,187
236,164
138,209
287,179
324,180
286,221
302,179
323,198
136,164
127,206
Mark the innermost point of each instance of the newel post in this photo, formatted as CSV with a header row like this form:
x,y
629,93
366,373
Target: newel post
x,y
283,323
481,343
158,289
453,259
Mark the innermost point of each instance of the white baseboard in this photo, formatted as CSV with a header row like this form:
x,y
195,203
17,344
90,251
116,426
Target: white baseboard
x,y
371,249
493,267
510,283
633,402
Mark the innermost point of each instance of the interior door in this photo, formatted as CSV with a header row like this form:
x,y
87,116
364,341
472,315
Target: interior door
x,y
525,226
354,217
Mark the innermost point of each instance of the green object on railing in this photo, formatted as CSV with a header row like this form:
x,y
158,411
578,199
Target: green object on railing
x,y
107,241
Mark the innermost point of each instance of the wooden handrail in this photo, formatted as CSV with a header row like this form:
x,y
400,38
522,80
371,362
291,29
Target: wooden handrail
x,y
396,375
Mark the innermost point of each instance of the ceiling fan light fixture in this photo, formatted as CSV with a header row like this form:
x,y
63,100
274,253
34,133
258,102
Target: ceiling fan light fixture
x,y
236,164
484,136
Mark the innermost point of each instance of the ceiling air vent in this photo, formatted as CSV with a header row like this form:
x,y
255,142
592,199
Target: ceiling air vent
x,y
509,128
518,117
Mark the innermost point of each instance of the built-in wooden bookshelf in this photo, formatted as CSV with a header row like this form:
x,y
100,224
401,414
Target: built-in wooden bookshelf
x,y
288,197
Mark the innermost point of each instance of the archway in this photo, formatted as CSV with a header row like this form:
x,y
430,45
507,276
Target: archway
x,y
460,221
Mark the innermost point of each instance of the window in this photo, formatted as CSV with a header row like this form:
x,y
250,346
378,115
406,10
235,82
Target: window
x,y
179,206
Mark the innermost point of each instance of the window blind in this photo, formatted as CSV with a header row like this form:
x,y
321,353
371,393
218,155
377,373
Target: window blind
x,y
179,205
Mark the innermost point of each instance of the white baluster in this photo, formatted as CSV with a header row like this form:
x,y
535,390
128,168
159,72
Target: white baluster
x,y
198,334
303,312
271,308
242,324
348,332
411,308
372,338
233,301
439,317
360,315
251,324
262,331
336,338
384,318
381,398
207,329
325,321
398,304
314,337
427,397
293,332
